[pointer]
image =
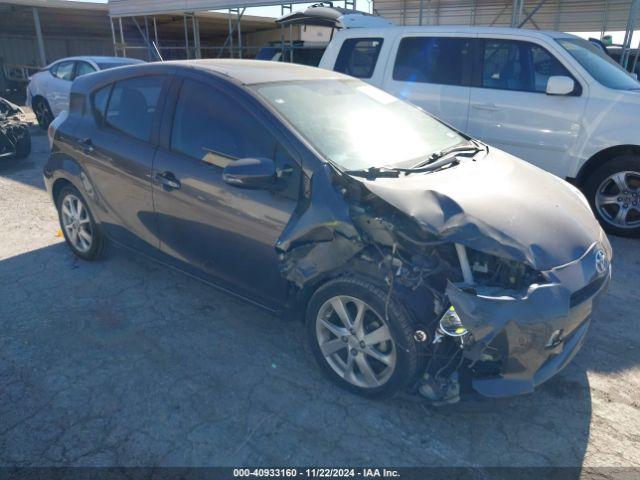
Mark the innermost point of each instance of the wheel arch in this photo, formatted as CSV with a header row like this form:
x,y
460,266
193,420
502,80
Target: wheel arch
x,y
601,158
57,187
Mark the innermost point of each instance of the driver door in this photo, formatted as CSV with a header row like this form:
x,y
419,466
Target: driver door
x,y
217,231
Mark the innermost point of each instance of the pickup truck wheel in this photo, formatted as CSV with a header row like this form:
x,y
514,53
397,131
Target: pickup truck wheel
x,y
43,113
613,191
78,225
356,344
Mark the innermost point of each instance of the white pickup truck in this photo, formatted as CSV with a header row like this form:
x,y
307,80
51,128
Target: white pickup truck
x,y
550,98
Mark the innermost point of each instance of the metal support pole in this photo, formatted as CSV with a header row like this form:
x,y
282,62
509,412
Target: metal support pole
x,y
113,36
605,19
628,34
474,12
420,12
230,37
195,23
124,47
186,37
239,28
532,13
36,22
155,32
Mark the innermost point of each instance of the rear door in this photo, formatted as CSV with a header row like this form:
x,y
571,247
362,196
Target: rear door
x,y
221,232
509,107
118,143
434,72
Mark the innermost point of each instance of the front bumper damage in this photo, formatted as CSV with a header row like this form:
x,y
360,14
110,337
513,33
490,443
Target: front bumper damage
x,y
414,239
530,339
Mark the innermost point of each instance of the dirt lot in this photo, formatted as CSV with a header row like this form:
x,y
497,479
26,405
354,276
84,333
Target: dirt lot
x,y
124,362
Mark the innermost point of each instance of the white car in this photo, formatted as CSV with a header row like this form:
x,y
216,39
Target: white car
x,y
550,98
48,90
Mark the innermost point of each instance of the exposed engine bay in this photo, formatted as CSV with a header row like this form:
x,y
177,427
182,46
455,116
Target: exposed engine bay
x,y
491,314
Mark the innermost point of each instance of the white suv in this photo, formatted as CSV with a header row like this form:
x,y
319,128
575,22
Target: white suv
x,y
550,98
48,90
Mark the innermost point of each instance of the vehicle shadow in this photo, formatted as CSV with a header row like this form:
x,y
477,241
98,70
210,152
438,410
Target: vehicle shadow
x,y
125,362
28,170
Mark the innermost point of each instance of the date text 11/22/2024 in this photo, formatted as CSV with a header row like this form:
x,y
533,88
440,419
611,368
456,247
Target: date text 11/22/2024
x,y
315,473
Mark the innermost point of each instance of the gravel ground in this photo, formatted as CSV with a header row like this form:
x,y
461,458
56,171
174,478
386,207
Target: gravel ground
x,y
125,362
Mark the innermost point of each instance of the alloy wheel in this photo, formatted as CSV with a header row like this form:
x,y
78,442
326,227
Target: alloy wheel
x,y
355,341
618,199
77,223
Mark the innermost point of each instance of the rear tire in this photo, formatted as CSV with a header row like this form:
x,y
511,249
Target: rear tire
x,y
376,356
78,225
613,191
43,113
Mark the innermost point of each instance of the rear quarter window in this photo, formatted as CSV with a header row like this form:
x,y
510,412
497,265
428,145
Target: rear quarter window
x,y
358,57
439,60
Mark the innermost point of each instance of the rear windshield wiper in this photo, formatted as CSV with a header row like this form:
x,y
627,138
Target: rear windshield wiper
x,y
471,148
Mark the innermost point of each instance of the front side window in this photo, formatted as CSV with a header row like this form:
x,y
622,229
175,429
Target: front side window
x,y
133,104
358,57
208,125
63,71
84,68
100,99
518,66
598,64
440,60
356,125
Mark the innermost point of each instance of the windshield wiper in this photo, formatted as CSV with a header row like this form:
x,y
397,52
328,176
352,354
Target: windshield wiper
x,y
375,172
471,147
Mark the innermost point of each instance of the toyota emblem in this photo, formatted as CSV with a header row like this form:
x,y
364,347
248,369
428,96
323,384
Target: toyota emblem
x,y
601,261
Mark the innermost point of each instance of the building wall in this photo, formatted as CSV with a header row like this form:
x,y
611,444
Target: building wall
x,y
23,49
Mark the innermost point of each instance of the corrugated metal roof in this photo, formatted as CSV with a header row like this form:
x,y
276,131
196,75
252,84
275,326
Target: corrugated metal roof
x,y
151,7
563,15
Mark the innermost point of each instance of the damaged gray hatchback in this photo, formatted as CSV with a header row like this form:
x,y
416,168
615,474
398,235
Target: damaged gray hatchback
x,y
422,259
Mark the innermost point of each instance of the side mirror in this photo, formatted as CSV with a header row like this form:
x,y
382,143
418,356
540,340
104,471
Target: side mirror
x,y
252,173
560,85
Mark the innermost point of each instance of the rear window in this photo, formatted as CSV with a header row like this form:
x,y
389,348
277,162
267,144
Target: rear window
x,y
440,60
133,104
358,57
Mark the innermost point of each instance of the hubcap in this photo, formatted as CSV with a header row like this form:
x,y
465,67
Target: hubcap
x,y
76,223
618,199
355,341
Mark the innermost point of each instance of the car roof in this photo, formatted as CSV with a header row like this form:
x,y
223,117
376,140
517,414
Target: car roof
x,y
243,72
249,72
459,29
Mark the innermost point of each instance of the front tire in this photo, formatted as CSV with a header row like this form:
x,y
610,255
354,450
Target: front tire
x,y
613,191
356,344
43,113
78,225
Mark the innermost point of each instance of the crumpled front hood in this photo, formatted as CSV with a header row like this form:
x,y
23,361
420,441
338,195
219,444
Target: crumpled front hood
x,y
499,205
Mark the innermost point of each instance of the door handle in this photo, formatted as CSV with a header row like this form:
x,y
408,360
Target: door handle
x,y
86,144
168,181
490,107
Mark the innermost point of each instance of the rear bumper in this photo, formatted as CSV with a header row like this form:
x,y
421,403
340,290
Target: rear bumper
x,y
526,341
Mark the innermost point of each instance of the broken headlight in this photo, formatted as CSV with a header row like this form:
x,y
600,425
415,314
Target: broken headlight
x,y
493,271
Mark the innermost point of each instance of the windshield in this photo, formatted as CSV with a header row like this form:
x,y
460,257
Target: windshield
x,y
599,65
356,125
